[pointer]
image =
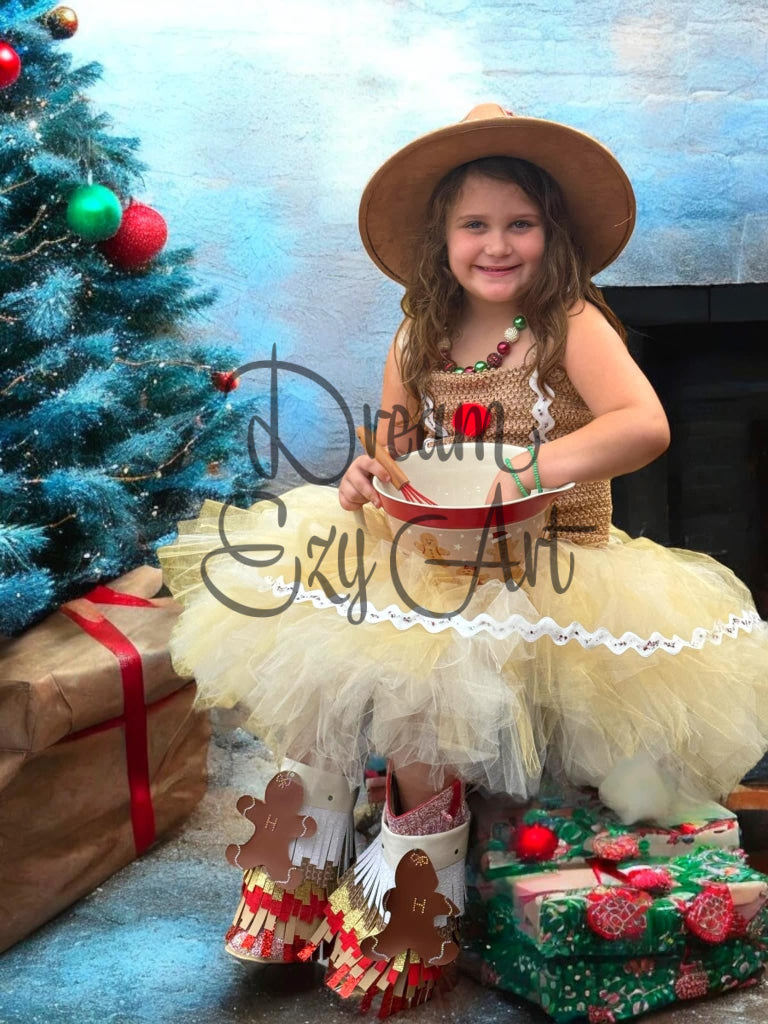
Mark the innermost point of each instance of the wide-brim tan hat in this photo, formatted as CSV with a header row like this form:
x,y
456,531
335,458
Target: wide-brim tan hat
x,y
598,195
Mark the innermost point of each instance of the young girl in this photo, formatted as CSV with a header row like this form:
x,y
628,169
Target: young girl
x,y
644,676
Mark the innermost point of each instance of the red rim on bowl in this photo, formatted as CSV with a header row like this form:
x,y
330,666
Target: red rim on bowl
x,y
462,517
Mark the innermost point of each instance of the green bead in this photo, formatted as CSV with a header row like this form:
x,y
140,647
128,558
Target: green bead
x,y
458,369
480,365
520,322
94,212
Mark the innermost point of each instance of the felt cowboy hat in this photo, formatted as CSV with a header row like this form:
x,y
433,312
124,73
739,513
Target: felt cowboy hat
x,y
598,195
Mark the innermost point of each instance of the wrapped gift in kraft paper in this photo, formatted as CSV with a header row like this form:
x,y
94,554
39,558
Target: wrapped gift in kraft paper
x,y
100,748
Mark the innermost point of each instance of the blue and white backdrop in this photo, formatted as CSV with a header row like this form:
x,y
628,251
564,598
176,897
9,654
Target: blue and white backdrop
x,y
261,122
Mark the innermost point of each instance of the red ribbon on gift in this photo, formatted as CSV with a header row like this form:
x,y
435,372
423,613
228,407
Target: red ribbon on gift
x,y
134,717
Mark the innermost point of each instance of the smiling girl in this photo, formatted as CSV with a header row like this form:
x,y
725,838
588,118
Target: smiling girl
x,y
651,660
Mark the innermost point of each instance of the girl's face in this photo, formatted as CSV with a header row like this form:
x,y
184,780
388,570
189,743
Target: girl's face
x,y
496,240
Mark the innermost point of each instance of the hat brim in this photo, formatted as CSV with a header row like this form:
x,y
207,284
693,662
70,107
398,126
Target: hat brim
x,y
597,192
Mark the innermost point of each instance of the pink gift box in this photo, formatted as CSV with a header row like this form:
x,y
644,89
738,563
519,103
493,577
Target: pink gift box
x,y
529,891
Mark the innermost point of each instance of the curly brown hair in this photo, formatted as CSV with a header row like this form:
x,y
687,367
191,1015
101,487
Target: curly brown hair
x,y
433,302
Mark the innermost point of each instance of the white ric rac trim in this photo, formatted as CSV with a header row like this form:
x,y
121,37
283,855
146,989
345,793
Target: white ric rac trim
x,y
544,419
517,625
428,420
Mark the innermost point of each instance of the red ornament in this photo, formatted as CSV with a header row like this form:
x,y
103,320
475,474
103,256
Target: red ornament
x,y
471,419
710,915
619,914
621,847
654,880
140,237
10,65
535,842
225,382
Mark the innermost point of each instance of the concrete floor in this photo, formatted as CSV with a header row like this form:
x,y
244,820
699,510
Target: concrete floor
x,y
146,947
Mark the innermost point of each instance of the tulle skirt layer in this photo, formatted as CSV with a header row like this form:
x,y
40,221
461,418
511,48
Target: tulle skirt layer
x,y
332,645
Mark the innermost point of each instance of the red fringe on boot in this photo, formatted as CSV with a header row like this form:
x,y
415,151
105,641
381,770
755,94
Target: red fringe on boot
x,y
394,936
275,920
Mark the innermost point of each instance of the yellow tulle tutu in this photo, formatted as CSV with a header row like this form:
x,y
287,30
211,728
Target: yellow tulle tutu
x,y
648,650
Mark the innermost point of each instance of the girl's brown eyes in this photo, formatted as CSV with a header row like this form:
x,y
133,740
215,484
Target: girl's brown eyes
x,y
519,224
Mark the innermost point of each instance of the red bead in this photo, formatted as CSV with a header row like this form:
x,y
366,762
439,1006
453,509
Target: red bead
x,y
494,359
224,382
469,369
449,365
503,347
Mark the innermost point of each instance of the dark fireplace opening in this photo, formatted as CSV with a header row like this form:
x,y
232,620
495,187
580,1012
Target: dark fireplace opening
x,y
758,460
709,491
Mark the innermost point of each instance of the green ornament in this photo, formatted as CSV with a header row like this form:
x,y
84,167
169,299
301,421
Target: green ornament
x,y
520,322
480,365
94,212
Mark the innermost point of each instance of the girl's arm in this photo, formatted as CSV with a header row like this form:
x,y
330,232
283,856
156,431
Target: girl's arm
x,y
397,409
356,488
630,428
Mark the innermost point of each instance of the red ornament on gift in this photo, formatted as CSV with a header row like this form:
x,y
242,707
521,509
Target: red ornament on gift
x,y
710,915
10,65
619,913
535,842
692,981
620,847
140,237
653,880
471,419
224,382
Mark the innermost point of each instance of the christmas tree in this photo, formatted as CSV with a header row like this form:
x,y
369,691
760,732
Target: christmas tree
x,y
114,421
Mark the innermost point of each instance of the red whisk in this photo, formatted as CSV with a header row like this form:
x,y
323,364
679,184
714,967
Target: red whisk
x,y
397,476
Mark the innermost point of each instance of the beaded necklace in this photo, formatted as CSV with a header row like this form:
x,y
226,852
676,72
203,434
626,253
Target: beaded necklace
x,y
494,359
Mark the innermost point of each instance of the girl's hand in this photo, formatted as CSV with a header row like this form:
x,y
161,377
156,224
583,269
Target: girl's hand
x,y
356,488
507,487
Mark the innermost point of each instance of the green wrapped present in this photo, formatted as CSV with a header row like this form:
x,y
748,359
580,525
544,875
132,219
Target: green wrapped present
x,y
579,827
631,909
610,941
609,989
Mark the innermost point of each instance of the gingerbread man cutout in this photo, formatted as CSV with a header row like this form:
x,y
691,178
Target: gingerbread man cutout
x,y
277,823
413,906
429,546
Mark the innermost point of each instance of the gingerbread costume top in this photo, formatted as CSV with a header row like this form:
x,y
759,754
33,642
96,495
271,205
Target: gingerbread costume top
x,y
583,513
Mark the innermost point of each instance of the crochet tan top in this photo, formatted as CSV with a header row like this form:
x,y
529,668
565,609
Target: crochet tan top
x,y
583,513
